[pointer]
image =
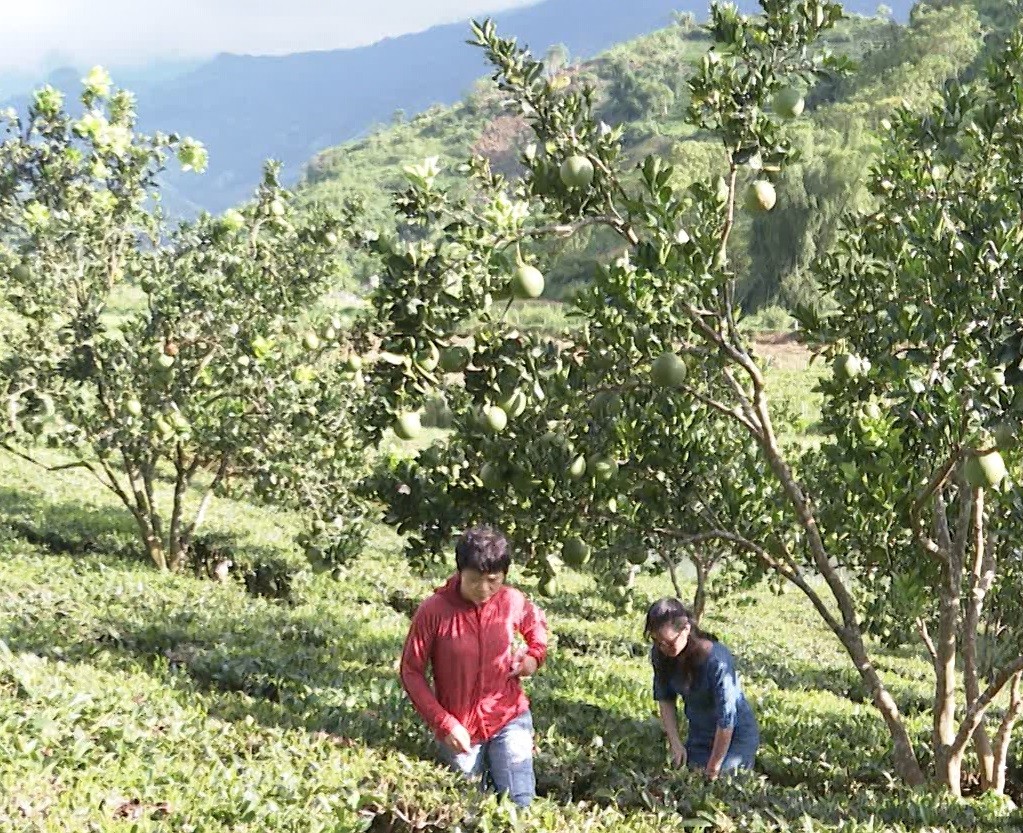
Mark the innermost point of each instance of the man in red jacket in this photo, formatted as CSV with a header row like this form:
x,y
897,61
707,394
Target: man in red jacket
x,y
465,631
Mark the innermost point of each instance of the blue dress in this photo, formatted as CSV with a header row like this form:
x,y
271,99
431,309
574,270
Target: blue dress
x,y
714,700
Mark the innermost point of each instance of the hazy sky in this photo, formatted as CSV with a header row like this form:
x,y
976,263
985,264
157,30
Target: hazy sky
x,y
132,32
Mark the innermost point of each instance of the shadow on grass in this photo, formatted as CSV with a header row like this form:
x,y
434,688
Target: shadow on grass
x,y
76,530
69,528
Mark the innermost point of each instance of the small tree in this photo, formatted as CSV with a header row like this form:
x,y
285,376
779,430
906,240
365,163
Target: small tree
x,y
632,96
214,375
929,298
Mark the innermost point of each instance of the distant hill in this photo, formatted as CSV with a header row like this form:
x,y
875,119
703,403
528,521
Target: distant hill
x,y
643,84
248,108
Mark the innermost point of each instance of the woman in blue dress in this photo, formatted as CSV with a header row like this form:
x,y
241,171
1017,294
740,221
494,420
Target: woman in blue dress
x,y
688,663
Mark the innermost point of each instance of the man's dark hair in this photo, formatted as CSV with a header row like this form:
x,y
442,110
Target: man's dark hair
x,y
482,548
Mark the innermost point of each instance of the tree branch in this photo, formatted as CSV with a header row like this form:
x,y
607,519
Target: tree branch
x,y
672,572
936,482
115,486
1004,736
925,635
78,464
568,229
207,498
734,413
785,570
979,580
976,710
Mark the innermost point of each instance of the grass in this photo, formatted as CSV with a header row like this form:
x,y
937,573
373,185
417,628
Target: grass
x,y
131,700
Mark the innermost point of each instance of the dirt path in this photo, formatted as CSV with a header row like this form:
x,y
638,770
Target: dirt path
x,y
787,353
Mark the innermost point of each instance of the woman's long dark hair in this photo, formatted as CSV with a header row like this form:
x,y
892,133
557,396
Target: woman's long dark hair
x,y
673,612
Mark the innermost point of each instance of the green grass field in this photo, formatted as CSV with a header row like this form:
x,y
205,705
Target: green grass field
x,y
133,701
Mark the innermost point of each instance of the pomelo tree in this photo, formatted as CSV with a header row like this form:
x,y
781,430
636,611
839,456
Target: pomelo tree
x,y
171,363
589,438
610,435
695,455
926,507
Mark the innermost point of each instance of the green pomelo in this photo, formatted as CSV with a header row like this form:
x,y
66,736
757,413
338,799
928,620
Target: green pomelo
x,y
760,196
455,359
575,552
789,103
577,468
495,418
527,282
668,371
408,425
848,366
985,471
576,172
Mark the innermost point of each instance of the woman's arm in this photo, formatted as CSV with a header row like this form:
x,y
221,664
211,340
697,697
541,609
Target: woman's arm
x,y
726,698
722,740
669,719
533,627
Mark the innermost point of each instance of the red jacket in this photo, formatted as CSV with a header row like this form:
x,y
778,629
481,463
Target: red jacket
x,y
470,650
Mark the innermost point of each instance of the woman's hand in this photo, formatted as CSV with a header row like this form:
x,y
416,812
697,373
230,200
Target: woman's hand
x,y
669,719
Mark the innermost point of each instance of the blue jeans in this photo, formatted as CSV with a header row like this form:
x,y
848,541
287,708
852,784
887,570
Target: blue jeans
x,y
505,762
741,754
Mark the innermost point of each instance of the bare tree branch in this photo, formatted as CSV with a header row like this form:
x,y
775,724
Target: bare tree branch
x,y
785,570
1004,736
937,481
77,464
925,635
975,711
669,562
207,498
568,229
734,413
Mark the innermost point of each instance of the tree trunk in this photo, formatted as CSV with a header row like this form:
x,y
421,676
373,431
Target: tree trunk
x,y
700,596
977,711
849,633
981,577
151,541
186,534
947,762
944,726
669,562
1004,736
153,519
177,553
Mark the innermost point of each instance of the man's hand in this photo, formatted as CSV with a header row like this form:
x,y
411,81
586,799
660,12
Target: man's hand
x,y
458,741
522,664
679,758
713,771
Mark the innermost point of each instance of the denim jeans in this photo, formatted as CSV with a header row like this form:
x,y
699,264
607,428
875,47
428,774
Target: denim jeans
x,y
504,762
739,756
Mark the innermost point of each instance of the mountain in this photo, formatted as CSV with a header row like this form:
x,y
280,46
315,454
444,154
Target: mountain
x,y
248,108
642,84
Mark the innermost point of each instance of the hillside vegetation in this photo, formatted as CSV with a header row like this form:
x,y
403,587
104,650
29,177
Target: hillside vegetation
x,y
642,84
224,490
133,701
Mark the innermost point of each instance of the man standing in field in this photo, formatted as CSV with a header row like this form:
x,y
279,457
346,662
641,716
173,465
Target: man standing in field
x,y
465,631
